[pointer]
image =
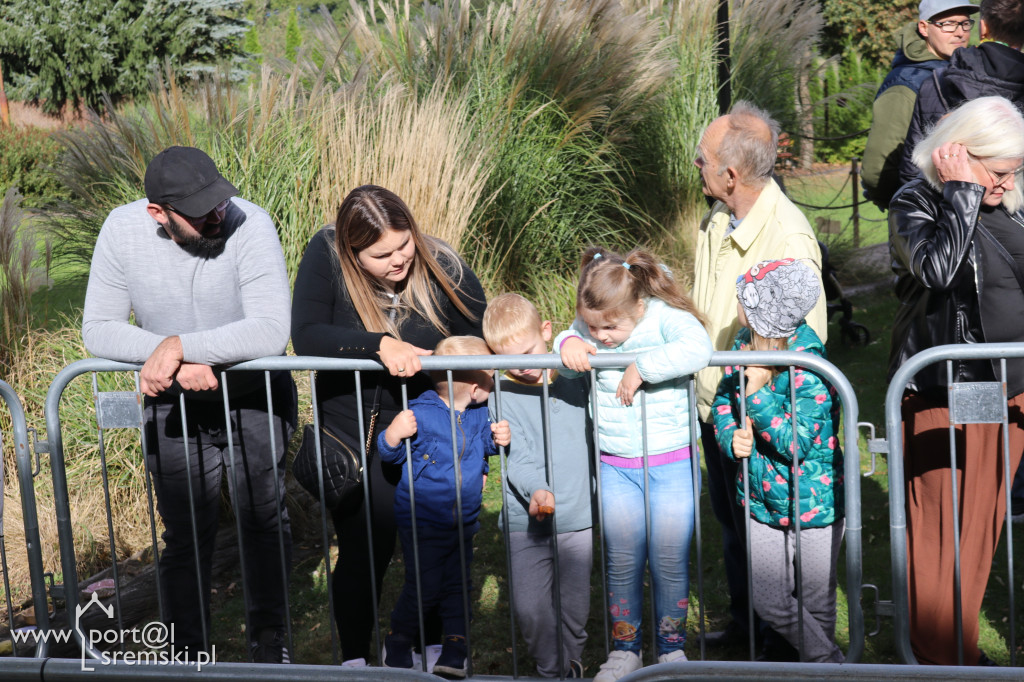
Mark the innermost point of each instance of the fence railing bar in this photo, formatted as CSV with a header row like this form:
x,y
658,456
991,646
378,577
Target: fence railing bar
x,y
30,518
503,460
957,595
367,508
192,520
105,481
647,525
460,523
275,466
600,506
695,478
798,558
545,415
1008,475
747,521
236,503
150,503
325,540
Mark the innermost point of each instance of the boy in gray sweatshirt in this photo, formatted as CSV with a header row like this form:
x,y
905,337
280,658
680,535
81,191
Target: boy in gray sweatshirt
x,y
537,523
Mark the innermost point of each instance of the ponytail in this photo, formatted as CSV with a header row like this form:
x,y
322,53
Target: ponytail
x,y
613,284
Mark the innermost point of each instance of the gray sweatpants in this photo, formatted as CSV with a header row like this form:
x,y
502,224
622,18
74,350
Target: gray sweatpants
x,y
773,554
533,594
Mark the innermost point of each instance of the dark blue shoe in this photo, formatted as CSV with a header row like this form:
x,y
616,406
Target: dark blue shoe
x,y
451,664
397,651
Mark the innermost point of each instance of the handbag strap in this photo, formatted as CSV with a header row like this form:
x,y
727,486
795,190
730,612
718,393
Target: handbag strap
x,y
375,410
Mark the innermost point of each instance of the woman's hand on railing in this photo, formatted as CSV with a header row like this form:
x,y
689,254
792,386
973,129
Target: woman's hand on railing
x,y
402,359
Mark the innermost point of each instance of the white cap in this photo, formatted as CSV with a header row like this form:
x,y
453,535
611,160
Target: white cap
x,y
930,8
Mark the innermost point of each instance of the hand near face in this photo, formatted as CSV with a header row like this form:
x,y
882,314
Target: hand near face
x,y
952,163
402,426
757,377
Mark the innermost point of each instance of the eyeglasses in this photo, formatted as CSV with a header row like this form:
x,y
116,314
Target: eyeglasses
x,y
951,26
998,179
219,208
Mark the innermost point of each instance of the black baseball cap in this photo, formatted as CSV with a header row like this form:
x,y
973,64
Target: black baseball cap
x,y
187,180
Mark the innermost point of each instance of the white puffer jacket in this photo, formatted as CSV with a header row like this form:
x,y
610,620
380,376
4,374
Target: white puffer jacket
x,y
671,345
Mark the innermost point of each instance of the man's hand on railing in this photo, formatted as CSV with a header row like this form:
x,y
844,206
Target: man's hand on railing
x,y
158,372
193,376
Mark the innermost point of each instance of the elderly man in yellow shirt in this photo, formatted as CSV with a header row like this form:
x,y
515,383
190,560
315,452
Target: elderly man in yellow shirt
x,y
751,220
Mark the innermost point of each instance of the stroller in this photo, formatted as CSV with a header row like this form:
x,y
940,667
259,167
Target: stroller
x,y
849,330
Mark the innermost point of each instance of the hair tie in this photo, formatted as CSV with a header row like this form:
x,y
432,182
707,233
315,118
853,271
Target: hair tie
x,y
625,265
596,256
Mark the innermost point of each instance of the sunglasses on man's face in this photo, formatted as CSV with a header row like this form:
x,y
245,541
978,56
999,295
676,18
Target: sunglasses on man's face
x,y
219,208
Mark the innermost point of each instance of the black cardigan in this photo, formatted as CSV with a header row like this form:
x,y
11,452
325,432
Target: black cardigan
x,y
325,323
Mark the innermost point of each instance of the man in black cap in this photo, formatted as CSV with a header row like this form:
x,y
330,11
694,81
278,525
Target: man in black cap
x,y
204,275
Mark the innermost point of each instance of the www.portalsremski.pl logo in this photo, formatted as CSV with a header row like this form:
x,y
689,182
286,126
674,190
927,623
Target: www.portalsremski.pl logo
x,y
156,640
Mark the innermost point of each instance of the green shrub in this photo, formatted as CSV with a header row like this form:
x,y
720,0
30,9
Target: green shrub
x,y
844,93
26,158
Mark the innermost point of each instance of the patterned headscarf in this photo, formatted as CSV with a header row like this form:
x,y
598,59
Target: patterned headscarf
x,y
776,296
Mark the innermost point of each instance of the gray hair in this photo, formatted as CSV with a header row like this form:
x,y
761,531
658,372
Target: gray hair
x,y
989,127
745,146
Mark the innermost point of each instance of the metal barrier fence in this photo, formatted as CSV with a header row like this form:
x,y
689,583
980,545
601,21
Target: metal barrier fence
x,y
23,465
124,409
969,403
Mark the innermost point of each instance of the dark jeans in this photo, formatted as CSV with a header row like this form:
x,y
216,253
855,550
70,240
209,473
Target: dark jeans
x,y
256,485
354,607
440,574
731,517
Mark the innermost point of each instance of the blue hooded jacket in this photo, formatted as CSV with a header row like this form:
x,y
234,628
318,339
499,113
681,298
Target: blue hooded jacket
x,y
433,465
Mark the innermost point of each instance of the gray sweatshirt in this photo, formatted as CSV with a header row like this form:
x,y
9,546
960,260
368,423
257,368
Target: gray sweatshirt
x,y
225,309
571,441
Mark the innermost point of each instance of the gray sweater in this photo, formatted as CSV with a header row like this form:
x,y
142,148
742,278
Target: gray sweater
x,y
225,309
571,439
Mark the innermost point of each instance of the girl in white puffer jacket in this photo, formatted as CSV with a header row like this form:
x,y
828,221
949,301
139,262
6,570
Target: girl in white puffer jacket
x,y
632,305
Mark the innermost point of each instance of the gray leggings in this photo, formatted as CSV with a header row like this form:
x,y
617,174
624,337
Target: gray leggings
x,y
773,554
533,593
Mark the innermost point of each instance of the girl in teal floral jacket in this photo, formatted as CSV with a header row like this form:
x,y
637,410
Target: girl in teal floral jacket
x,y
774,297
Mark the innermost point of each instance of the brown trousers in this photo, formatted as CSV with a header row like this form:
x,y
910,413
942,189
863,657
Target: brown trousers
x,y
982,506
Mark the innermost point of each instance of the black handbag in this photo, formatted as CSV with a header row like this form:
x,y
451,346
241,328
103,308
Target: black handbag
x,y
343,471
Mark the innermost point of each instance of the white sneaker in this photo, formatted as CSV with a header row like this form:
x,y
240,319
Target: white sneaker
x,y
354,663
676,656
618,665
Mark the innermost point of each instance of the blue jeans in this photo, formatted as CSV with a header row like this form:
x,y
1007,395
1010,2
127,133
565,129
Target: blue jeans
x,y
668,553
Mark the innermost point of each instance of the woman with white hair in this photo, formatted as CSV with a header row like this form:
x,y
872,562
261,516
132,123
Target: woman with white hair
x,y
956,237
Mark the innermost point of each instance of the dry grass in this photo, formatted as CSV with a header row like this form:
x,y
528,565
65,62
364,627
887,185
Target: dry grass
x,y
27,115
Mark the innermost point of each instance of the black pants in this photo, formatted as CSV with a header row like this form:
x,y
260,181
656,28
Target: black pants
x,y
256,484
354,607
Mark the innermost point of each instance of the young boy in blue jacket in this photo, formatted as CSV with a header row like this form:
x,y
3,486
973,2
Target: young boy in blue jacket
x,y
438,518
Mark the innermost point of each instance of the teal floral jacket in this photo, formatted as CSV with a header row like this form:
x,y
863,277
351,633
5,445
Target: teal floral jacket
x,y
821,459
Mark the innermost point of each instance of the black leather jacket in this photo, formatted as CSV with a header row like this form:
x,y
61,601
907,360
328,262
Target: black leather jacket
x,y
941,260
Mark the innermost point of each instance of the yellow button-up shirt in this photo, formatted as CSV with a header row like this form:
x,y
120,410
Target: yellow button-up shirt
x,y
774,228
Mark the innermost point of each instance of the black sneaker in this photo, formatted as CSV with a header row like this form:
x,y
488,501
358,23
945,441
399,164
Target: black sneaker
x,y
269,647
397,651
451,664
